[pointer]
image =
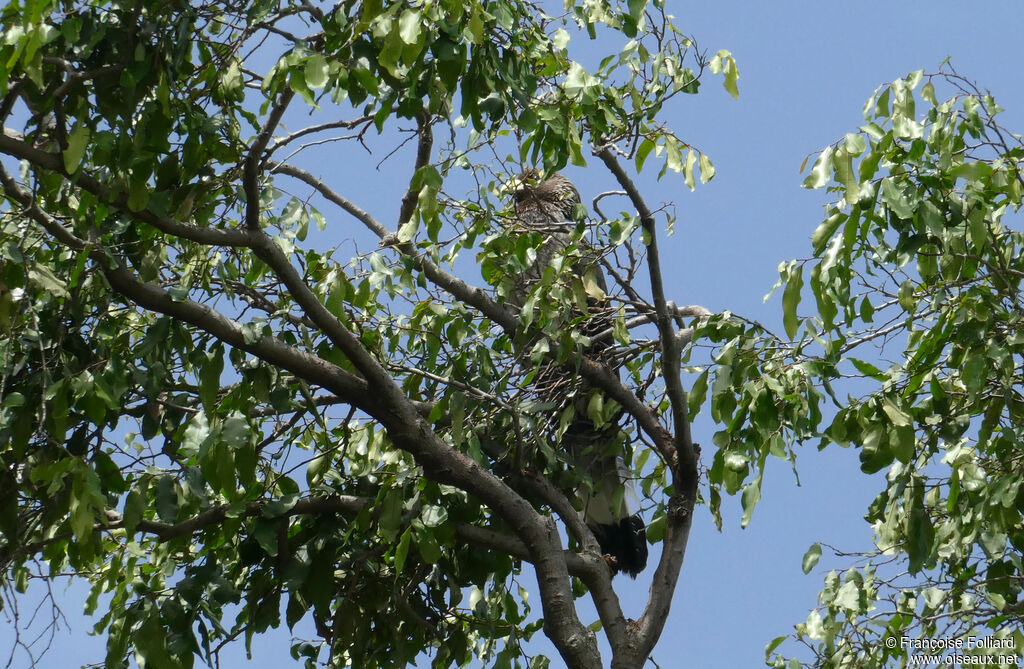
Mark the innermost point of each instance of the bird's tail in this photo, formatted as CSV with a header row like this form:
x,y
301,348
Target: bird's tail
x,y
621,536
626,542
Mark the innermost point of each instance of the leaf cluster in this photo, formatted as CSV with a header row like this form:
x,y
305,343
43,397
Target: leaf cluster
x,y
921,260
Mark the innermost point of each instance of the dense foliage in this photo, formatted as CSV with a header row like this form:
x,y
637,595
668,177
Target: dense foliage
x,y
224,423
249,381
916,278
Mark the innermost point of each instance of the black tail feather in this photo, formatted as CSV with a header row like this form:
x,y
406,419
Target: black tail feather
x,y
626,541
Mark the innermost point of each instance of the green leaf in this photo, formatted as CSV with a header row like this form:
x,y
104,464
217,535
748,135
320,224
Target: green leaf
x,y
595,409
811,558
724,63
409,28
78,141
928,93
235,431
297,83
751,496
14,399
296,609
823,233
578,80
427,545
875,452
408,229
278,508
854,144
697,394
673,154
316,469
560,39
920,536
47,281
402,549
642,151
974,371
707,170
688,176
896,414
390,518
791,298
842,163
820,172
656,529
636,10
265,531
166,499
209,377
432,515
772,645
906,296
476,26
848,596
83,511
954,489
591,286
134,508
317,71
903,443
972,171
287,486
869,370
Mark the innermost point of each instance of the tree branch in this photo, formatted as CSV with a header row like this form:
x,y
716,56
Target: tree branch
x,y
406,428
423,148
323,505
11,143
685,475
506,318
251,170
670,353
310,367
284,141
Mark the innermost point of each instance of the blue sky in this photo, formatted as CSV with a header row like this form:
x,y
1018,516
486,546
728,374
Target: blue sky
x,y
805,70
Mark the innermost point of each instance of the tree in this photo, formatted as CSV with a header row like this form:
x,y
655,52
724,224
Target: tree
x,y
212,418
916,265
216,418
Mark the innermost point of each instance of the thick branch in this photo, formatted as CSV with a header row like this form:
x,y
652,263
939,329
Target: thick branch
x,y
423,148
670,352
597,577
666,576
254,161
684,472
11,143
335,504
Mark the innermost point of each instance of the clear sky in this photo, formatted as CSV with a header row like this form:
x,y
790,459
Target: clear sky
x,y
805,70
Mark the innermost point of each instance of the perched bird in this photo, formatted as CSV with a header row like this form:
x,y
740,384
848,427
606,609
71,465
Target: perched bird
x,y
546,206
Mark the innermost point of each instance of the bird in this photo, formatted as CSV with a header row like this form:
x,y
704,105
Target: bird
x,y
546,205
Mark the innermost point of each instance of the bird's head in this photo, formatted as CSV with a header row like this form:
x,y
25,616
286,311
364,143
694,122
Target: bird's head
x,y
530,189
